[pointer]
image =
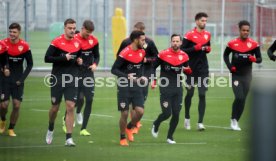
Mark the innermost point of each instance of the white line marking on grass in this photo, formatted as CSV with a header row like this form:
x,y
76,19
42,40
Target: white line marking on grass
x,y
218,127
158,144
31,146
38,110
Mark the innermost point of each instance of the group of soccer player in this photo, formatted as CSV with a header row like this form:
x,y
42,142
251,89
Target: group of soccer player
x,y
77,55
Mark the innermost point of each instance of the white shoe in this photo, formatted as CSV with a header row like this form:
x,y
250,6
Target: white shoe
x,y
235,125
79,118
49,136
171,141
187,124
200,127
154,134
70,142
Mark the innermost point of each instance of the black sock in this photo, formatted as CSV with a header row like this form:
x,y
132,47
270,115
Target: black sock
x,y
3,118
123,136
51,126
129,125
11,126
68,135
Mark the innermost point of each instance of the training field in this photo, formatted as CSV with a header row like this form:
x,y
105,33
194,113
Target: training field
x,y
217,143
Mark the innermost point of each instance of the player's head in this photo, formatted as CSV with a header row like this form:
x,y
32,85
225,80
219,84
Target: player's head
x,y
14,31
244,27
176,42
140,26
69,28
201,20
87,28
138,38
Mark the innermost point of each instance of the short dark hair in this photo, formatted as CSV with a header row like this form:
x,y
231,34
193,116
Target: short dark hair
x,y
15,25
135,35
200,15
175,35
69,21
88,25
140,25
243,23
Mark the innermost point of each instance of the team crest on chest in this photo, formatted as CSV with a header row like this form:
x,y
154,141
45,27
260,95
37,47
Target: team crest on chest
x,y
249,44
180,57
141,55
206,37
0,47
90,42
20,48
76,44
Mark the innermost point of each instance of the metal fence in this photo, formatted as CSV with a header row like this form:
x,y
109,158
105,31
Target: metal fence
x,y
161,17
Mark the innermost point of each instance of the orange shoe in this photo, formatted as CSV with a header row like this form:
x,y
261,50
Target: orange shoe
x,y
2,127
11,132
129,134
135,130
138,124
123,142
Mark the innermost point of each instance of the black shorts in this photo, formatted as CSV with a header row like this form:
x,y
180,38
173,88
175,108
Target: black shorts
x,y
201,80
70,93
145,91
11,89
171,99
127,96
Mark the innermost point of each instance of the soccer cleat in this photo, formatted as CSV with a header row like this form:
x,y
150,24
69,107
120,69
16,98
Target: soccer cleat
x,y
70,143
123,142
79,118
138,124
235,125
129,134
64,129
135,130
2,126
200,127
49,137
170,141
187,124
84,132
153,133
11,132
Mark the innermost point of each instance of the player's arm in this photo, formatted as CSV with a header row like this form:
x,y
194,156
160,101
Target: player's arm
x,y
117,67
29,59
186,47
123,45
258,55
271,50
96,54
226,54
50,58
207,47
152,56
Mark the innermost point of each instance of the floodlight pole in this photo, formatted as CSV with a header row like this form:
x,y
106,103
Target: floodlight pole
x,y
26,20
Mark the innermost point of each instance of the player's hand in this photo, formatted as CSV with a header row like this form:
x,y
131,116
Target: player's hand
x,y
68,56
79,61
18,83
145,60
131,76
153,84
207,49
93,67
233,69
7,72
252,58
187,70
198,47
